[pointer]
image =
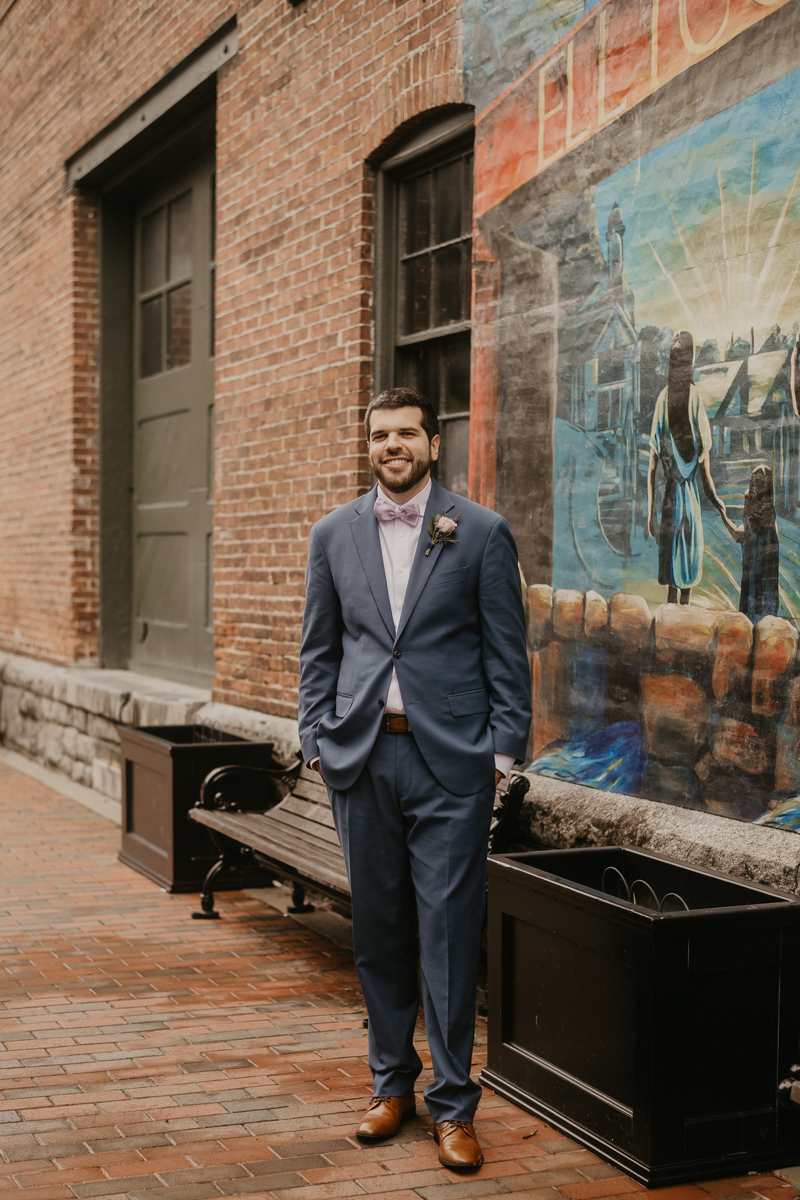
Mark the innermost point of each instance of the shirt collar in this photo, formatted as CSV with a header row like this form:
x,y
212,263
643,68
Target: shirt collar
x,y
420,500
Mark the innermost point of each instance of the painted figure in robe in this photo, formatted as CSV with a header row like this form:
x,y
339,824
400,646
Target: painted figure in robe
x,y
760,550
680,439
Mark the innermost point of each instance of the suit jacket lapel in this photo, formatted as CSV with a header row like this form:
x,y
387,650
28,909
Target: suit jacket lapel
x,y
368,543
439,502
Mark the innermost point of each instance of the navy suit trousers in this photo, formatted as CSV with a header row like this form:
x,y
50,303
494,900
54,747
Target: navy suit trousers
x,y
416,862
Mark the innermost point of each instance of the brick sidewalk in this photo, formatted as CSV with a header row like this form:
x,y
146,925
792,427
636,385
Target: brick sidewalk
x,y
146,1055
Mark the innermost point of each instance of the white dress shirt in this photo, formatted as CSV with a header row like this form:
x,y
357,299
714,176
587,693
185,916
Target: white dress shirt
x,y
398,547
399,543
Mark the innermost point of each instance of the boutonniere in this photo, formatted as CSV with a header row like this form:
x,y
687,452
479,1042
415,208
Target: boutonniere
x,y
441,529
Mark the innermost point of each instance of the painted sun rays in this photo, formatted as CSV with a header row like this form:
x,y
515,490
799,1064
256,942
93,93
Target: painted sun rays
x,y
734,288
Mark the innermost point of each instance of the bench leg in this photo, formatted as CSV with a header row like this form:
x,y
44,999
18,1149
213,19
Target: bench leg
x,y
298,904
208,912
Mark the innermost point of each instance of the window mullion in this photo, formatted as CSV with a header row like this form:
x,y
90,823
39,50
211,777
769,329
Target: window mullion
x,y
459,241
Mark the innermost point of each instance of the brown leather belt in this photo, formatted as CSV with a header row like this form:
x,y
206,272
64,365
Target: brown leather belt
x,y
395,723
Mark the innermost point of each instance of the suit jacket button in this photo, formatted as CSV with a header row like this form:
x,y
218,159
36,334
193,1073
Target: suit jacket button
x,y
380,704
397,654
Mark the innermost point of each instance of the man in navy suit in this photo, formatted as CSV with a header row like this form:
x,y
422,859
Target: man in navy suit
x,y
414,701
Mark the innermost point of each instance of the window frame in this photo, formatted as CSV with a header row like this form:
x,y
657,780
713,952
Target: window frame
x,y
160,291
438,142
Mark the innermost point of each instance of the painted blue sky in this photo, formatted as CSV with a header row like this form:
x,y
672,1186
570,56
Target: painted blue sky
x,y
729,259
539,22
503,37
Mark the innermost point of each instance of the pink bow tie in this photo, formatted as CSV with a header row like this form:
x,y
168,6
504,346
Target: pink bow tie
x,y
387,510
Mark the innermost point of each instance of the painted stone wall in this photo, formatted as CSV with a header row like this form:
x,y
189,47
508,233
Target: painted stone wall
x,y
637,308
685,706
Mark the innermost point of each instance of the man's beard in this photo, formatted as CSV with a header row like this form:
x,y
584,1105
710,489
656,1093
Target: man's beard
x,y
393,483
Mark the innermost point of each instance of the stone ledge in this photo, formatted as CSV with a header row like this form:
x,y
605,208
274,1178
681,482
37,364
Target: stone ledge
x,y
561,815
120,696
258,726
68,718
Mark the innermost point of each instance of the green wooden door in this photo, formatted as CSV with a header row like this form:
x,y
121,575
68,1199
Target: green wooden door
x,y
173,409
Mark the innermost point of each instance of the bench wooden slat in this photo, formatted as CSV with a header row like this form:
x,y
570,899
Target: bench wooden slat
x,y
311,829
264,825
308,776
299,850
309,856
315,792
309,812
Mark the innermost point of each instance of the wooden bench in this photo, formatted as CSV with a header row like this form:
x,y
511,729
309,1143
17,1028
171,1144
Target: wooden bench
x,y
283,822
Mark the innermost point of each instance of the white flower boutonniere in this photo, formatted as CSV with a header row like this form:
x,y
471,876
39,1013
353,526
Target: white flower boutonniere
x,y
441,529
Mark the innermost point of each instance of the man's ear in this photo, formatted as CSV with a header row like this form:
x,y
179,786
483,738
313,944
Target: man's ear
x,y
435,442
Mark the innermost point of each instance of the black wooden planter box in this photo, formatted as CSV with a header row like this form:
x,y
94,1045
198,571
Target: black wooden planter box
x,y
656,1039
163,767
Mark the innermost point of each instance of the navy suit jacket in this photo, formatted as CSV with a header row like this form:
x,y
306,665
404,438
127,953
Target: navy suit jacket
x,y
459,648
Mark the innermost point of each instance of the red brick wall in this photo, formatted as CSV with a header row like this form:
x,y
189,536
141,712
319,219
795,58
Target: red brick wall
x,y
314,93
66,70
84,532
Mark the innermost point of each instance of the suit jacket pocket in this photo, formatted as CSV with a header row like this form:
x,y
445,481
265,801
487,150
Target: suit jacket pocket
x,y
467,704
452,577
343,704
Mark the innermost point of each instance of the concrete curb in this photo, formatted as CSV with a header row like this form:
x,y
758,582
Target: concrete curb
x,y
111,810
558,814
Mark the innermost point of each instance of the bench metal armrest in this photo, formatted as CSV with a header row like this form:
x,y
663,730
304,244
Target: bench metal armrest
x,y
506,814
247,789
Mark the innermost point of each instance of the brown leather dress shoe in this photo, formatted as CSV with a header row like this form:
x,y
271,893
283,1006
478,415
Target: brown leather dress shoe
x,y
459,1149
384,1116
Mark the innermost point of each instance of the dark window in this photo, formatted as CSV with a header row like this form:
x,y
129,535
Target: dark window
x,y
602,410
166,309
611,365
151,336
426,281
614,408
179,330
609,408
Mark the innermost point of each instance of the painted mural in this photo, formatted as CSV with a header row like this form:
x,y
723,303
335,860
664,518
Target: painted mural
x,y
691,285
651,272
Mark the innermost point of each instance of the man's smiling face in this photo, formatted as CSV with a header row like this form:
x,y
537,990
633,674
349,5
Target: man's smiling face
x,y
399,451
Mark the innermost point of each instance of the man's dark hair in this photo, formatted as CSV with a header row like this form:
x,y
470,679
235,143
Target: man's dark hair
x,y
401,397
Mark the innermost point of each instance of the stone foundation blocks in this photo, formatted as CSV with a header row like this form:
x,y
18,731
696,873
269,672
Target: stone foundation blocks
x,y
741,747
774,650
731,675
568,615
676,718
68,718
684,638
595,619
630,625
540,615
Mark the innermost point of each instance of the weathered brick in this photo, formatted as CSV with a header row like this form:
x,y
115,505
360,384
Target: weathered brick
x,y
568,614
676,718
684,638
630,624
302,109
